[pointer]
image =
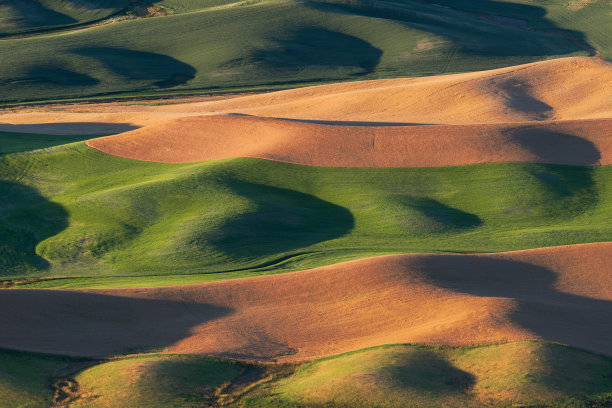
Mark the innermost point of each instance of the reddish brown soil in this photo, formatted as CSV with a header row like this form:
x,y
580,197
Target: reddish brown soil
x,y
561,89
192,139
562,294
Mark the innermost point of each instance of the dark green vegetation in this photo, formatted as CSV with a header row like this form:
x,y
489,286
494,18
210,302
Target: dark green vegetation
x,y
102,221
217,45
27,16
534,374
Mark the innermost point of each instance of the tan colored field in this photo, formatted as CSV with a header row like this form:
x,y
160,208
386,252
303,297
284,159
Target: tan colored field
x,y
562,294
192,139
561,89
557,111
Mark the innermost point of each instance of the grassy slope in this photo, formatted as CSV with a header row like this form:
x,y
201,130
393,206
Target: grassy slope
x,y
73,211
525,373
530,373
32,15
154,381
25,379
279,43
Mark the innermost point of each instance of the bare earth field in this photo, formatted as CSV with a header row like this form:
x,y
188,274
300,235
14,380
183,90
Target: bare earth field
x,y
556,111
575,142
562,294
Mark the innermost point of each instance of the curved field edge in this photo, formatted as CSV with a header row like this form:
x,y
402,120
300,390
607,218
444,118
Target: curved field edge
x,y
71,209
530,373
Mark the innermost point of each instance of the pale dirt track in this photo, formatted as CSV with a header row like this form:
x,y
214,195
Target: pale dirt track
x,y
561,294
582,142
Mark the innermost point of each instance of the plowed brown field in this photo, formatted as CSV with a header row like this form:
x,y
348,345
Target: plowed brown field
x,y
557,111
562,294
192,139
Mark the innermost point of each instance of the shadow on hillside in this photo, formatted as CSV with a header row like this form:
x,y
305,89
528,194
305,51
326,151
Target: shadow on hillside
x,y
426,215
426,371
565,191
67,129
335,122
61,77
555,147
96,324
479,27
24,138
519,97
546,312
32,14
26,218
313,47
161,70
282,220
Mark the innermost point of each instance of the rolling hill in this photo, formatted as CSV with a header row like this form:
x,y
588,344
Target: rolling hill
x,y
212,46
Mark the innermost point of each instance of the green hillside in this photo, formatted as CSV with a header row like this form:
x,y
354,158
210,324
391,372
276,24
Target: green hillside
x,y
534,374
27,16
217,45
72,211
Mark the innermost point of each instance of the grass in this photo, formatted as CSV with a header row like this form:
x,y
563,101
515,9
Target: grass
x,y
531,373
76,217
217,45
18,17
154,381
25,378
514,374
11,142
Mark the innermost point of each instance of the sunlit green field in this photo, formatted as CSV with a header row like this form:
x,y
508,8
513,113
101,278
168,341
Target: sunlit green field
x,y
101,221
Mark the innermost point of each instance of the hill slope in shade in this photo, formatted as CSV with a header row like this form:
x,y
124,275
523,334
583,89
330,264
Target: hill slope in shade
x,y
214,46
561,294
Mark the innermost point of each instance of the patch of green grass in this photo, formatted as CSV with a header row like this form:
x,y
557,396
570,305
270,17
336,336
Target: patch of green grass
x,y
24,16
97,220
154,381
26,379
514,374
11,142
217,45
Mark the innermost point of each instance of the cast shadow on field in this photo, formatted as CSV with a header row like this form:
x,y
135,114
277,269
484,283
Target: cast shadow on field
x,y
283,220
477,27
427,371
26,219
555,147
159,70
546,312
95,324
569,190
38,15
334,122
27,137
320,48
